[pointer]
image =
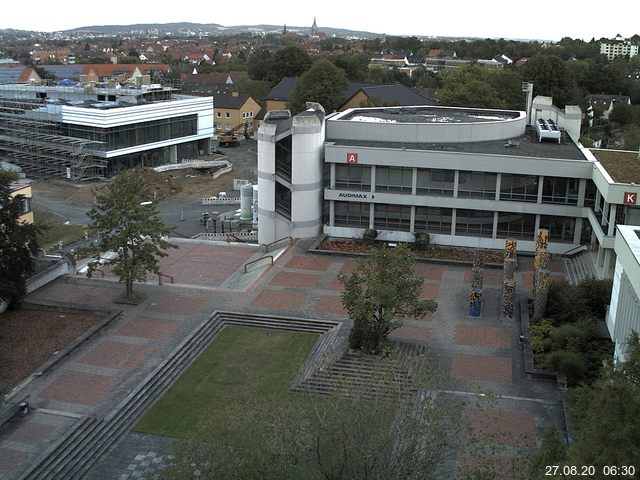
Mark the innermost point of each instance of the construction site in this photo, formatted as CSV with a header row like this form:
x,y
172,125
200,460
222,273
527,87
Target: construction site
x,y
90,132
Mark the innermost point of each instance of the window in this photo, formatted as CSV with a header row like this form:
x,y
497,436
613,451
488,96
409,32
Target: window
x,y
392,217
351,214
353,177
393,179
561,229
435,182
477,185
433,220
474,223
590,194
283,158
227,115
251,114
516,225
219,114
283,200
25,205
560,190
519,188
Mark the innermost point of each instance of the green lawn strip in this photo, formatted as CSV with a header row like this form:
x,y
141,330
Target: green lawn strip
x,y
240,365
61,233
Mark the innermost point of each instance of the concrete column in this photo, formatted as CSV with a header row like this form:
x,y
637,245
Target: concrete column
x,y
605,214
412,221
540,187
456,179
414,183
498,182
612,219
453,220
578,230
582,190
536,226
332,178
494,232
606,264
373,179
371,213
596,207
173,154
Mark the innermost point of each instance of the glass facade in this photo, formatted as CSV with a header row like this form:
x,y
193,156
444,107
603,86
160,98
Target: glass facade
x,y
435,182
516,225
519,188
283,158
561,229
474,223
560,190
477,185
125,136
283,200
353,177
351,214
391,217
394,179
433,220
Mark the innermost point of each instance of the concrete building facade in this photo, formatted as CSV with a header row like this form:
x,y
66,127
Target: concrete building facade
x,y
467,177
93,132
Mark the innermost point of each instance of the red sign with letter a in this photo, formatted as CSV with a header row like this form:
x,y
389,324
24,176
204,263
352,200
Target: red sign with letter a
x,y
352,158
630,198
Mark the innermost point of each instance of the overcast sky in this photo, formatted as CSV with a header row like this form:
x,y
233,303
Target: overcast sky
x,y
546,20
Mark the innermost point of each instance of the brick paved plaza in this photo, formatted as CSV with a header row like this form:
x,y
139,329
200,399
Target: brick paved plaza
x,y
475,352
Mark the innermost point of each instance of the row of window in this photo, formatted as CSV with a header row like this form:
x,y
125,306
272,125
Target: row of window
x,y
520,188
475,223
228,114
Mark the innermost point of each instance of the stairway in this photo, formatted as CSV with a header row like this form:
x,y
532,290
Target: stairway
x,y
90,438
365,375
580,267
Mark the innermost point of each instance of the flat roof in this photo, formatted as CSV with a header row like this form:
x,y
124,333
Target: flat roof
x,y
622,166
427,114
526,146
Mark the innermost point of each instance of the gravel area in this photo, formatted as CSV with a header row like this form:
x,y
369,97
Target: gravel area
x,y
28,337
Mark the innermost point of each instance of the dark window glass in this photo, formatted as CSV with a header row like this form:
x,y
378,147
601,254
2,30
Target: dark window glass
x,y
433,220
561,229
560,190
393,179
477,185
519,188
392,217
435,182
351,214
353,177
516,225
475,223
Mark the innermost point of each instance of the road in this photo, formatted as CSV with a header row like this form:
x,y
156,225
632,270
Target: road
x,y
178,212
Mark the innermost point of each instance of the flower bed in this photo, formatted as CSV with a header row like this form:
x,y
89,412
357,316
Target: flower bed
x,y
351,245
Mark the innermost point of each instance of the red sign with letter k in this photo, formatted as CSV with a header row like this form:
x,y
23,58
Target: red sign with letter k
x,y
630,198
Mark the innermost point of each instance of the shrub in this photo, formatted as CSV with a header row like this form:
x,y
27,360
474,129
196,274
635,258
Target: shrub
x,y
596,295
572,364
564,303
369,236
422,241
540,336
567,336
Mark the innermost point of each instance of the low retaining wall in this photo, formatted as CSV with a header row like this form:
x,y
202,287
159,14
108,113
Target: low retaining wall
x,y
54,271
192,164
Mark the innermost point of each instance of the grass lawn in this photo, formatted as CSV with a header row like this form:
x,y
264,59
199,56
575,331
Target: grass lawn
x,y
240,365
54,230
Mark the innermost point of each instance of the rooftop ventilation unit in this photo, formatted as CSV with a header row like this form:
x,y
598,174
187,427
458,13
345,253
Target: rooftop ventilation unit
x,y
547,130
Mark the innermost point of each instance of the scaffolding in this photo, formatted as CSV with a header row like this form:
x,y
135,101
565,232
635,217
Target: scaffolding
x,y
33,137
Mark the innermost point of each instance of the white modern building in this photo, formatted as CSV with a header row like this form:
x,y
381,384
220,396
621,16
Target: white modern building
x,y
468,177
94,131
623,315
618,47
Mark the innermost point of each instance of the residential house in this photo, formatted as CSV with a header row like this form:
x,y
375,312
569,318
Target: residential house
x,y
605,103
234,112
23,188
618,47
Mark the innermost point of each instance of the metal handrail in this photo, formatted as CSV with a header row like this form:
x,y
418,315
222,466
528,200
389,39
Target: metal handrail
x,y
160,275
257,260
266,247
574,250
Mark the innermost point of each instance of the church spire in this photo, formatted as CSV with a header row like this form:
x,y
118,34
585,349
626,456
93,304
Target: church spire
x,y
314,27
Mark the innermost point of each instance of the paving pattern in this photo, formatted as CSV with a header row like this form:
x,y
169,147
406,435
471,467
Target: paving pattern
x,y
475,352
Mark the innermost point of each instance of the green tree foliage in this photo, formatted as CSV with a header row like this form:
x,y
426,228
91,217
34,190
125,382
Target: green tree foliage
x,y
475,86
622,114
606,416
130,228
257,89
369,430
549,76
18,244
323,83
286,62
381,291
552,451
355,65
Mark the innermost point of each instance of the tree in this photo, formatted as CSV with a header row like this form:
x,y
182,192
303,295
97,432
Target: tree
x,y
323,83
367,430
131,227
18,244
380,292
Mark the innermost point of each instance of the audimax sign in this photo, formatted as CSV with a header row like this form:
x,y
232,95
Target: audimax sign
x,y
363,196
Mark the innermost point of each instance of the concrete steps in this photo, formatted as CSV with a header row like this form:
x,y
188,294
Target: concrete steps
x,y
83,445
580,267
358,374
